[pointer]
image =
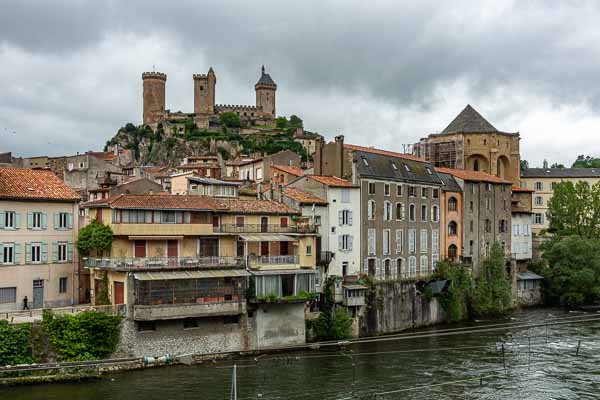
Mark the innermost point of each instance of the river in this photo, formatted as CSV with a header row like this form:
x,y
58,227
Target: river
x,y
538,363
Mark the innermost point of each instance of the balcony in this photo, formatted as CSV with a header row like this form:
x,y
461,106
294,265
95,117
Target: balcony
x,y
176,311
150,230
324,258
358,301
162,263
262,228
258,261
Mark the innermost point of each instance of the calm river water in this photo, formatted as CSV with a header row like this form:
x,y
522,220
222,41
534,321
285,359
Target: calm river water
x,y
541,363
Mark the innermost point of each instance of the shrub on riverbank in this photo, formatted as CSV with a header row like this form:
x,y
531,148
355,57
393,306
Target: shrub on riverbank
x,y
15,344
85,336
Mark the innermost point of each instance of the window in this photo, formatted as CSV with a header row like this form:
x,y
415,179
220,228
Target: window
x,y
345,242
423,242
453,204
394,167
81,165
538,218
364,160
452,228
424,213
398,190
412,213
553,185
471,246
412,265
62,252
386,241
487,204
36,252
539,186
436,193
435,214
36,220
424,192
424,267
371,234
435,241
190,323
399,239
309,250
406,167
387,211
8,253
471,206
503,226
504,205
239,221
345,195
399,211
412,240
62,220
386,189
471,226
8,295
317,220
488,226
62,285
412,191
9,220
259,174
488,187
283,222
371,188
167,217
344,268
371,209
539,200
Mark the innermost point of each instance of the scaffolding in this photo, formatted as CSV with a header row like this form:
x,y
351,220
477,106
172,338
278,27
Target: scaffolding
x,y
446,153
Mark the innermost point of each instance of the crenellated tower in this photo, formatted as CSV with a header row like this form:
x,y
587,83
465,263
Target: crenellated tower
x,y
204,92
154,84
265,94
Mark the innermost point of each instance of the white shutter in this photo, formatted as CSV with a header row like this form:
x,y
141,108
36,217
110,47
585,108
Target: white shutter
x,y
2,216
340,242
350,217
350,242
372,241
340,218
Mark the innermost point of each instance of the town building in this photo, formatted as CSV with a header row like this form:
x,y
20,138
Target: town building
x,y
522,219
486,214
38,231
284,174
543,180
470,142
308,140
205,109
181,262
259,169
190,183
451,218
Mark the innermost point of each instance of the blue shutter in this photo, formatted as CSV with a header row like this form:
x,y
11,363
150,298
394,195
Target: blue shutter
x,y
44,221
70,220
350,217
56,220
17,221
2,216
70,252
27,253
17,250
340,242
29,220
350,240
340,218
55,251
44,252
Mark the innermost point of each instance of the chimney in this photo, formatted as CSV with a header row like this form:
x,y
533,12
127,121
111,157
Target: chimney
x,y
317,159
339,156
299,131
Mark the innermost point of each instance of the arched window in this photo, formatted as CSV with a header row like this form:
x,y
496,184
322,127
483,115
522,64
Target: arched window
x,y
412,213
452,252
452,204
476,165
452,228
387,269
371,209
412,266
401,267
399,211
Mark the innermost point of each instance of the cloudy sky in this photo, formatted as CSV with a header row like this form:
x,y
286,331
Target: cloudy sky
x,y
383,73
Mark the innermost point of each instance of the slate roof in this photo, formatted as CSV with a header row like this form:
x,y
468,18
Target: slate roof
x,y
265,79
449,184
375,165
373,150
469,121
34,184
560,173
476,176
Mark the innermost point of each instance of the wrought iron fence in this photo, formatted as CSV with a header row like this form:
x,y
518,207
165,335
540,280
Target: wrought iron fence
x,y
259,260
133,263
263,228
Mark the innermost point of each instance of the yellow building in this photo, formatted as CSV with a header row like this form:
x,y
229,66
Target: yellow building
x,y
542,182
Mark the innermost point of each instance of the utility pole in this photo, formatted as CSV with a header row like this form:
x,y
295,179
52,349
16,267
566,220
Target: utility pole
x,y
234,384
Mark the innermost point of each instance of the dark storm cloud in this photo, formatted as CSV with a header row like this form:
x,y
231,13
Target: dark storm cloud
x,y
395,69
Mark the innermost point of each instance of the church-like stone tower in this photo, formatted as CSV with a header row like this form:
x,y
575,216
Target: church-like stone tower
x,y
154,96
265,94
204,92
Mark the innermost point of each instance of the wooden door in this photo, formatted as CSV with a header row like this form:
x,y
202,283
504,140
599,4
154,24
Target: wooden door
x,y
172,248
119,293
140,248
264,224
264,248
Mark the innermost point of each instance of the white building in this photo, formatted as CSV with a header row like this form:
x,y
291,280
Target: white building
x,y
521,243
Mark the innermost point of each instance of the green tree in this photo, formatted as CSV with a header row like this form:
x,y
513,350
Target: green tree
x,y
333,324
571,271
281,123
524,164
491,295
455,300
295,122
94,237
230,119
583,161
574,209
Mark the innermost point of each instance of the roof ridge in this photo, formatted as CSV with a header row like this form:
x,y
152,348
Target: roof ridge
x,y
469,120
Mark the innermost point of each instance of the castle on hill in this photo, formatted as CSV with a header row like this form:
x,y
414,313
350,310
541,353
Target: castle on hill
x,y
205,109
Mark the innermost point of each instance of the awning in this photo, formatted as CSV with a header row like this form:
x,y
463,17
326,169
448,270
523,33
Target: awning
x,y
267,238
157,237
284,272
528,276
168,275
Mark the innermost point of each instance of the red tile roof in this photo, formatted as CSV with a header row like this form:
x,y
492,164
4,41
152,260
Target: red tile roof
x,y
104,155
521,189
382,152
30,184
256,207
477,176
332,181
289,169
302,196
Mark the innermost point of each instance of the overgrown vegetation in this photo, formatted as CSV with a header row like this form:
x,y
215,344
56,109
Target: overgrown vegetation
x,y
302,296
15,344
89,335
95,237
455,300
333,323
230,119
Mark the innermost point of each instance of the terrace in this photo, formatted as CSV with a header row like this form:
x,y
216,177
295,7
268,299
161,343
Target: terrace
x,y
162,263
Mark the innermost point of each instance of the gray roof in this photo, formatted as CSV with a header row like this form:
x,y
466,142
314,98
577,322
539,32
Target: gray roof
x,y
528,276
382,166
211,181
265,79
560,173
469,121
449,184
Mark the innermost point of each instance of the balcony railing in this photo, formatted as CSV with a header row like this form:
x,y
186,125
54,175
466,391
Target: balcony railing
x,y
272,260
139,263
261,228
324,257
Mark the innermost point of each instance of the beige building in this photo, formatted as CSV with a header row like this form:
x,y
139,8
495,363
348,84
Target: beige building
x,y
542,182
38,231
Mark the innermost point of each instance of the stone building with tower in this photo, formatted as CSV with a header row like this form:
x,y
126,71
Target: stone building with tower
x,y
205,109
470,142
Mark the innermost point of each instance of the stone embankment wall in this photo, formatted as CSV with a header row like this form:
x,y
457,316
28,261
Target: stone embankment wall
x,y
395,306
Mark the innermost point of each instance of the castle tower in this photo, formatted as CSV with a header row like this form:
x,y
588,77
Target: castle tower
x,y
204,92
265,94
154,96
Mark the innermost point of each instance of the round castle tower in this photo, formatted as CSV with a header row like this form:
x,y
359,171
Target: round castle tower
x,y
265,94
154,96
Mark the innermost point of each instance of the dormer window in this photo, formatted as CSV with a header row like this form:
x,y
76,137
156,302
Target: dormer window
x,y
406,167
364,160
429,170
394,167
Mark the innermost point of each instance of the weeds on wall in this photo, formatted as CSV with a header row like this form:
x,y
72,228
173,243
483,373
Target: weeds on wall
x,y
15,344
333,323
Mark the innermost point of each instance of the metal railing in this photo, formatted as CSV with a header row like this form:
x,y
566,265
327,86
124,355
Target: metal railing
x,y
259,260
324,257
36,314
261,228
132,263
